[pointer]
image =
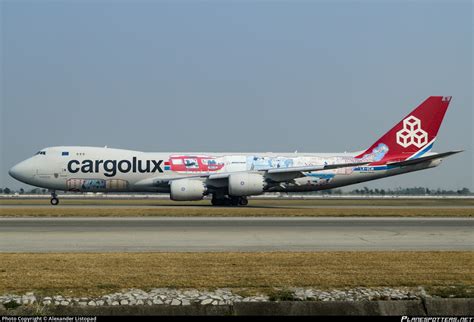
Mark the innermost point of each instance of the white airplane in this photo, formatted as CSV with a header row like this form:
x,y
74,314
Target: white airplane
x,y
231,177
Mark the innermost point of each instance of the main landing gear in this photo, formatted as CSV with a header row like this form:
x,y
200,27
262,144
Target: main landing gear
x,y
229,201
54,198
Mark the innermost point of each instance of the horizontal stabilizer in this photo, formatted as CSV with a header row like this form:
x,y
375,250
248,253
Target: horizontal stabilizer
x,y
423,159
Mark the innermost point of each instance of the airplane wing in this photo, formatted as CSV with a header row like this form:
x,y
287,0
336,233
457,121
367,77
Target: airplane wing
x,y
285,174
311,168
423,159
293,171
274,174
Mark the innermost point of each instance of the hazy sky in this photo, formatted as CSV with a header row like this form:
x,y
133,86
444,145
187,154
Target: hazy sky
x,y
234,76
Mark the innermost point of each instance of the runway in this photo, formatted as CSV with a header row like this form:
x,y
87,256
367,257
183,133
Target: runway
x,y
206,234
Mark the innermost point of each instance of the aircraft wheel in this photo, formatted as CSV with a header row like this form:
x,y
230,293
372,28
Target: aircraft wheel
x,y
243,201
54,201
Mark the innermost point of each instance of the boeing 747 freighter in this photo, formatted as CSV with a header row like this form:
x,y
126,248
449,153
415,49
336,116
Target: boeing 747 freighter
x,y
231,177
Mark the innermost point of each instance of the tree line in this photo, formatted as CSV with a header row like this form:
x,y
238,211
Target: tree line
x,y
7,191
417,191
414,191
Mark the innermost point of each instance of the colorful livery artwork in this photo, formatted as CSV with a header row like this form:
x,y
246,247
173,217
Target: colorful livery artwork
x,y
189,163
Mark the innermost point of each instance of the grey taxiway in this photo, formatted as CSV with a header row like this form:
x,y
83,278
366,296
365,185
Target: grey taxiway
x,y
234,234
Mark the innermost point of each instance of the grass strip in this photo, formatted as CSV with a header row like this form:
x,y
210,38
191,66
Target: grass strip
x,y
99,273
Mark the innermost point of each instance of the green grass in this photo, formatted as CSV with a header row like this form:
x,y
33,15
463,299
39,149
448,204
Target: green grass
x,y
11,305
275,295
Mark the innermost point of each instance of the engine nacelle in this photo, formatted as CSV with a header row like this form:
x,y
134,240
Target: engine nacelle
x,y
246,184
187,190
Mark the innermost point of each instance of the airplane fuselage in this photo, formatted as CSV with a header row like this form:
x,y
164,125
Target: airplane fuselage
x,y
115,170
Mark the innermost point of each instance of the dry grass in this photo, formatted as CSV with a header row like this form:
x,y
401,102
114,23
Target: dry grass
x,y
93,274
232,212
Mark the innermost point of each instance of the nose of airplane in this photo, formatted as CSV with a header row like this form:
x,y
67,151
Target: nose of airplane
x,y
13,172
21,171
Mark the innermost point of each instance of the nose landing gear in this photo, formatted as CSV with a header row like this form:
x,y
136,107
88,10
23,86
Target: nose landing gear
x,y
54,198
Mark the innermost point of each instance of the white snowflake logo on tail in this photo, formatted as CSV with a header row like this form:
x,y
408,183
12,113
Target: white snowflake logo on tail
x,y
412,133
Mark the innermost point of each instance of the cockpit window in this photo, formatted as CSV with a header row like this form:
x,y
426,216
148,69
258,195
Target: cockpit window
x,y
41,152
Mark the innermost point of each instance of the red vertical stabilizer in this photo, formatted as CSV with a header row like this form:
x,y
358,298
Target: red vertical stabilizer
x,y
411,137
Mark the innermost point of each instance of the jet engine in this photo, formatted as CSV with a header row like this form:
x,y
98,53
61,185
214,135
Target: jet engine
x,y
187,190
246,184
